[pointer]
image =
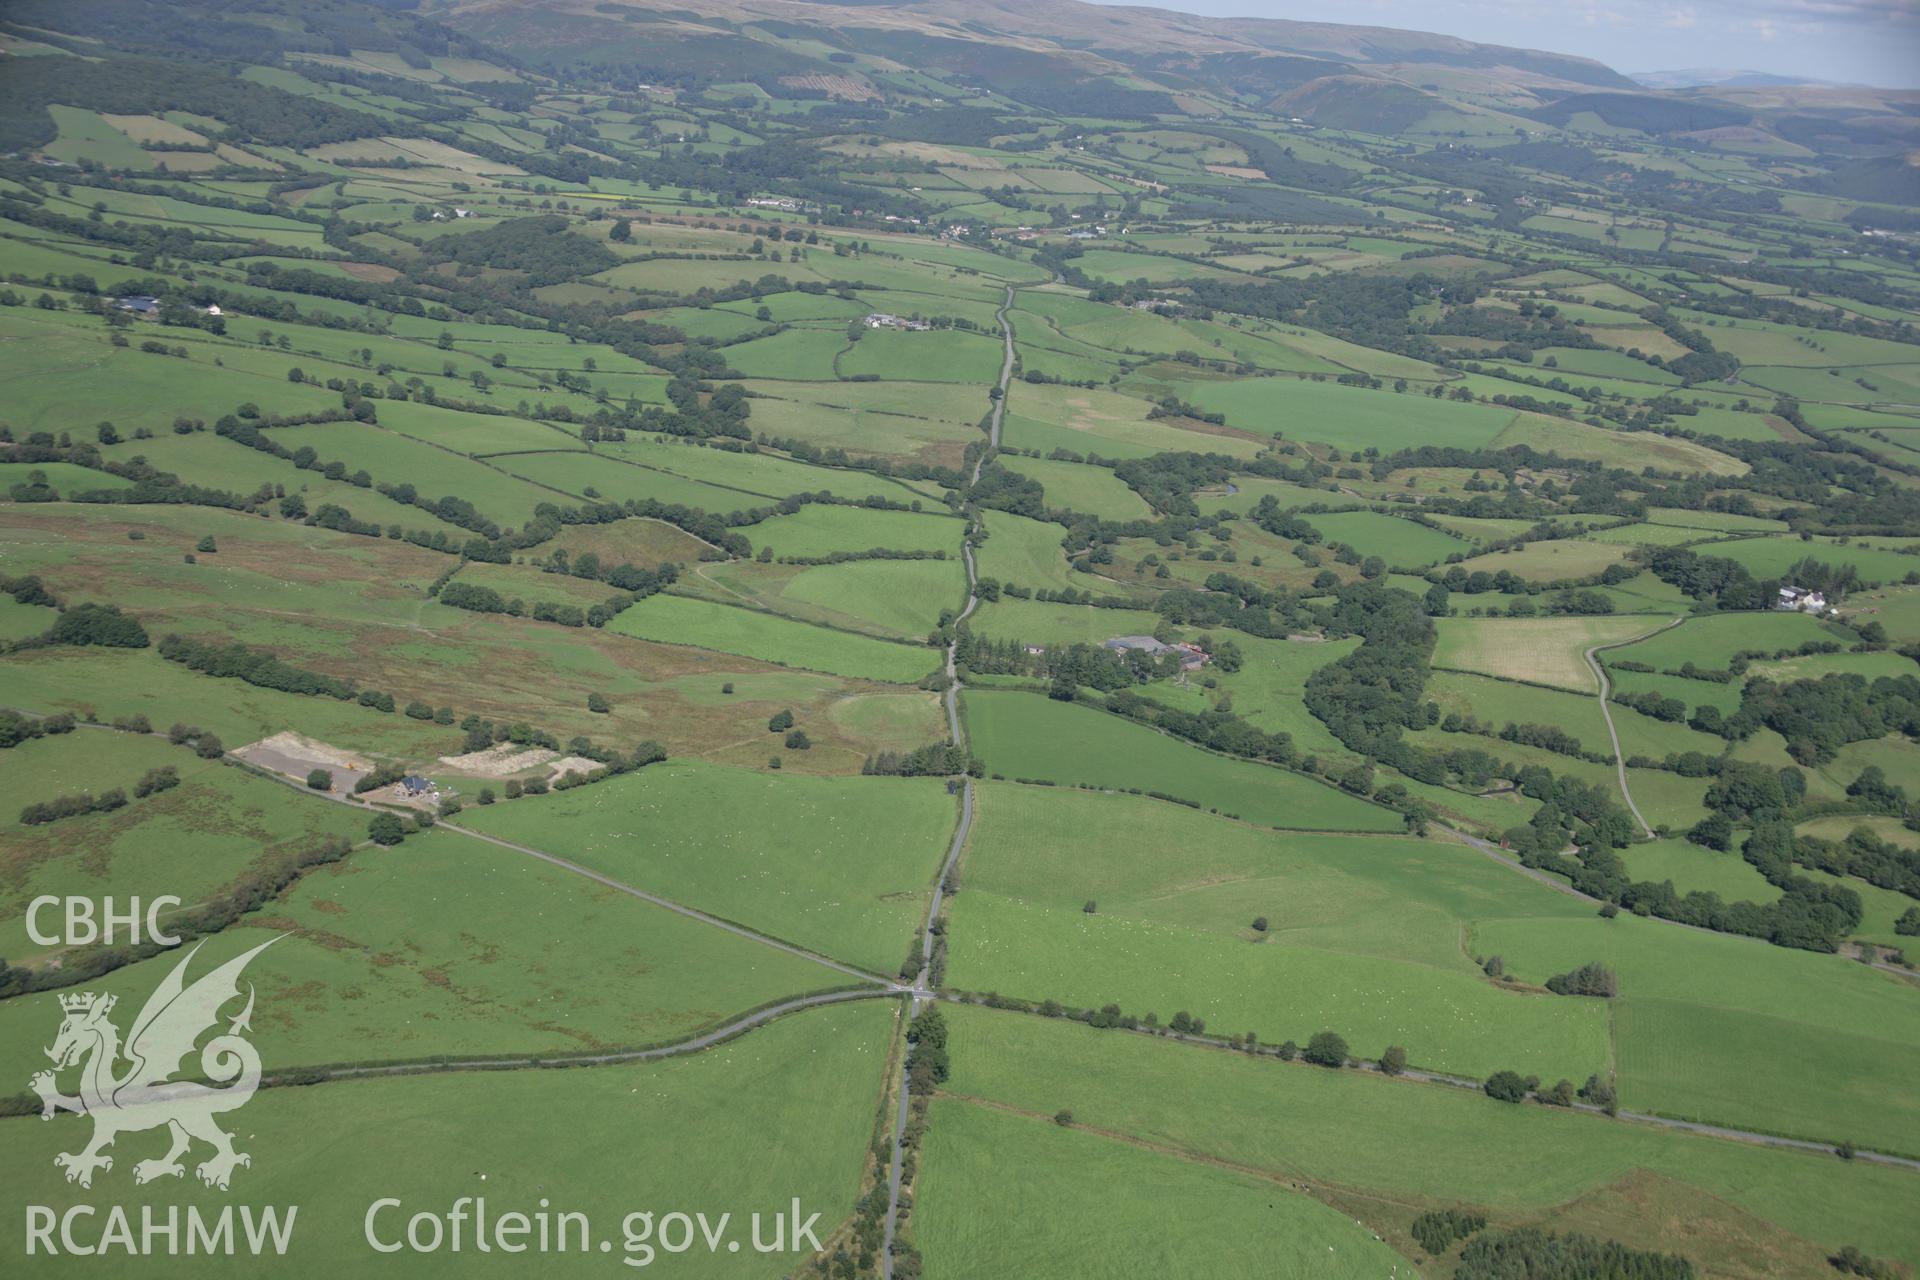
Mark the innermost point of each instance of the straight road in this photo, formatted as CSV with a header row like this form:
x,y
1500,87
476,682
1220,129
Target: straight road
x,y
920,991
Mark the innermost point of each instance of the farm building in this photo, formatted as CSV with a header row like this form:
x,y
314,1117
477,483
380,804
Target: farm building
x,y
884,320
1120,644
1796,600
1192,656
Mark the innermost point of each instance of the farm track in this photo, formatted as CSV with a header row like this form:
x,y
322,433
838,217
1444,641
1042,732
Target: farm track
x,y
1606,713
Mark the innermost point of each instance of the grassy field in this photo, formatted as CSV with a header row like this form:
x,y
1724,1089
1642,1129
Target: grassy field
x,y
902,598
1346,417
1773,557
1109,423
1024,736
1502,702
395,459
191,842
1692,868
64,478
1552,560
1026,553
1364,935
1266,691
108,684
1542,650
1039,622
449,945
1401,543
983,1170
840,865
818,530
895,599
1092,490
784,1112
641,542
584,475
950,355
19,621
1710,1025
797,353
1712,640
761,472
1343,1136
678,620
1629,450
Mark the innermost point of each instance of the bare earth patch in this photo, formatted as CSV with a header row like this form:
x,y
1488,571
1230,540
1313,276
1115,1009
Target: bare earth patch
x,y
499,761
295,756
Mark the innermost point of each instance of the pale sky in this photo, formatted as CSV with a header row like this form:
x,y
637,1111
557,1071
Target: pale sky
x,y
1855,41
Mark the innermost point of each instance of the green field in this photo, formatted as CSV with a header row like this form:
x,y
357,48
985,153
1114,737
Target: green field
x,y
1364,934
501,954
192,842
1401,543
1345,417
940,356
1773,557
839,865
1026,553
986,1168
1552,560
779,1114
818,530
678,620
1039,622
1091,490
1712,640
1330,1132
1691,868
1541,650
1696,1010
1024,736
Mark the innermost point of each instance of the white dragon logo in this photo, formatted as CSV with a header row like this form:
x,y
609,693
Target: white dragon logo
x,y
144,1096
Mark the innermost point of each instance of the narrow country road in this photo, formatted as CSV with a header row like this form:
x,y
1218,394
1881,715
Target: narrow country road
x,y
921,992
1006,375
1606,713
693,1044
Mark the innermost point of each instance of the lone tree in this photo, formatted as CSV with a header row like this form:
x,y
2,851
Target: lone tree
x,y
779,721
320,780
1326,1049
1506,1086
598,702
1393,1061
1593,979
385,829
